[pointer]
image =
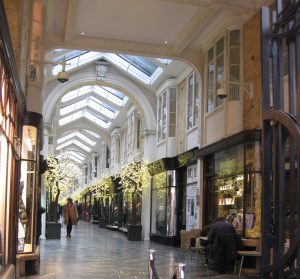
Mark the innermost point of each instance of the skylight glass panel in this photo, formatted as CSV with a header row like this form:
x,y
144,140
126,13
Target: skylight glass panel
x,y
76,106
76,93
76,134
141,63
93,103
93,134
69,55
111,95
133,69
97,119
100,121
108,93
75,159
76,142
101,107
77,61
70,118
77,155
86,139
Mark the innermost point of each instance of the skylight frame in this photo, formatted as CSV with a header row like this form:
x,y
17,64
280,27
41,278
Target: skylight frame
x,y
113,96
116,59
75,142
102,122
94,103
74,135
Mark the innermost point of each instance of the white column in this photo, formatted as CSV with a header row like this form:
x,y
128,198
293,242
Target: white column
x,y
149,155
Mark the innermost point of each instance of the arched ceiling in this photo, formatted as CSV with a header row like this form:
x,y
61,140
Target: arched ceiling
x,y
130,35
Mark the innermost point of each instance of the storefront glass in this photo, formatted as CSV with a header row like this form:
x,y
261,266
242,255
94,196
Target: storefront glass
x,y
27,190
164,204
233,187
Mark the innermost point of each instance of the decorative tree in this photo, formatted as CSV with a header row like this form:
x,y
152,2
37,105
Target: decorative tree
x,y
59,177
103,189
134,178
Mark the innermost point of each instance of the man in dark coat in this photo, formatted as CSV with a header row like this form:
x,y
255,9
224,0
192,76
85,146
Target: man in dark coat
x,y
223,244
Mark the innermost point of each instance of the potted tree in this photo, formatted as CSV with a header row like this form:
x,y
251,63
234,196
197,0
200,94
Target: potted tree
x,y
134,178
103,189
59,177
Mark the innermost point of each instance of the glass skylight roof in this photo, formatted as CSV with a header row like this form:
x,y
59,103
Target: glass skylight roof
x,y
79,135
100,121
93,134
78,158
76,142
141,68
93,103
141,63
109,94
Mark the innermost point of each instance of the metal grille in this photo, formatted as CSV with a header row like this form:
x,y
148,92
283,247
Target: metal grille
x,y
281,139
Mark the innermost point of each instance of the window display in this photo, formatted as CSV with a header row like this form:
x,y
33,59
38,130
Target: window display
x,y
27,190
164,204
233,182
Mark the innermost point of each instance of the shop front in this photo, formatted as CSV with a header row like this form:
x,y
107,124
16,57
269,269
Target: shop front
x,y
174,198
12,109
232,182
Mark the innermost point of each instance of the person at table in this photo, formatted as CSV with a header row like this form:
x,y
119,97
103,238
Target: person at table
x,y
219,250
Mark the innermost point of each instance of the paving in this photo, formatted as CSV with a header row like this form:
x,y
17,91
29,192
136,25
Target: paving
x,y
92,252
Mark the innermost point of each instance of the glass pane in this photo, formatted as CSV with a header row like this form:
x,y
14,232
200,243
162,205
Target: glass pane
x,y
229,161
252,205
159,198
211,54
29,141
3,168
220,46
210,87
235,38
26,207
229,191
234,55
253,156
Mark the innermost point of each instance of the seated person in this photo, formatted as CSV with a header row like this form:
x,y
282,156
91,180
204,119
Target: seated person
x,y
223,243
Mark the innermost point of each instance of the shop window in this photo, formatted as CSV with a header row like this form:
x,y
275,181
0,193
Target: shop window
x,y
27,190
233,186
159,204
166,114
164,203
223,63
192,101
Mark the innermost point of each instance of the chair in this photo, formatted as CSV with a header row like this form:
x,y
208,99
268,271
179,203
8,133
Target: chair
x,y
224,251
256,243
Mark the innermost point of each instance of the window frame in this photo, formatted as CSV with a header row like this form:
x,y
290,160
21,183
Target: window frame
x,y
161,114
194,101
217,103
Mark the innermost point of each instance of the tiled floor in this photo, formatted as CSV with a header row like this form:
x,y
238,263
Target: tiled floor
x,y
99,253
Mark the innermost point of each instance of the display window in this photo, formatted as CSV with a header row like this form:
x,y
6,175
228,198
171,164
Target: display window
x,y
233,187
9,152
27,190
163,219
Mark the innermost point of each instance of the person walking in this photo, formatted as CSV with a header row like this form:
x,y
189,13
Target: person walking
x,y
70,216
